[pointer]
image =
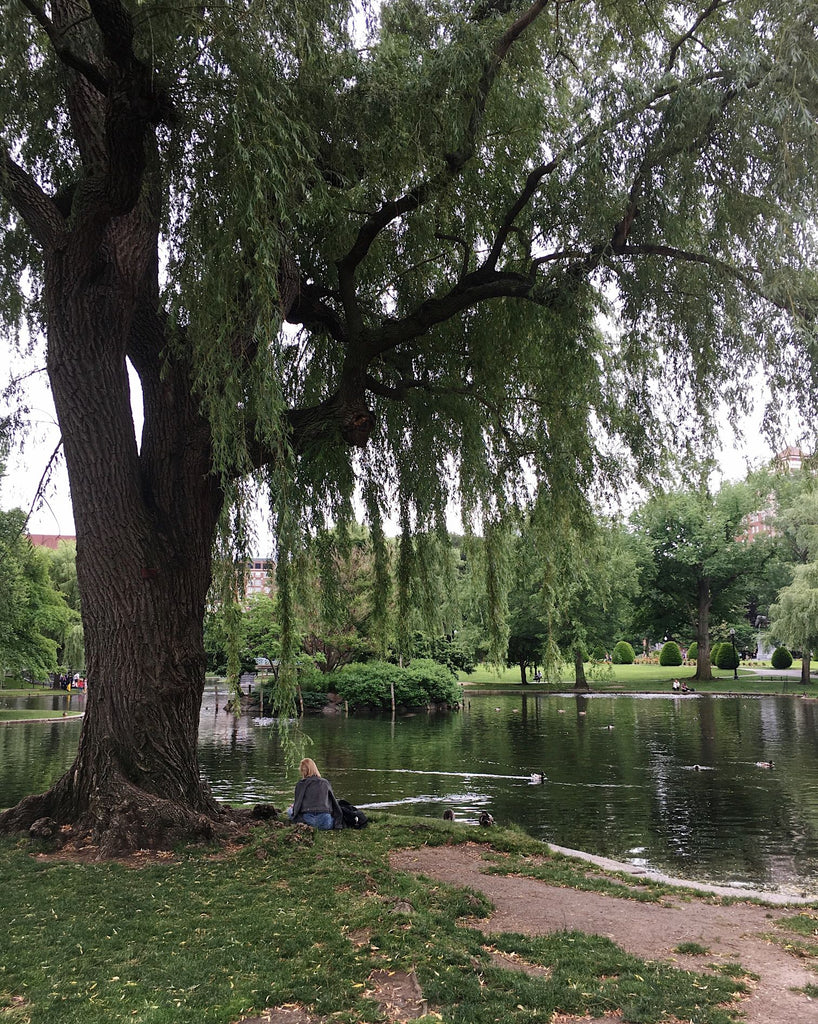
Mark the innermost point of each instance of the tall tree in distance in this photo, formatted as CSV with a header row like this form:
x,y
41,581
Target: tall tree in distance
x,y
794,616
439,199
702,564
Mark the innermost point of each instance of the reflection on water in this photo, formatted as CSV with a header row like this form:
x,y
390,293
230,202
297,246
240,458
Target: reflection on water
x,y
670,783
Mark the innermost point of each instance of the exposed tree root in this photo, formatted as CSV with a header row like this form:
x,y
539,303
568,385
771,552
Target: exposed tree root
x,y
121,820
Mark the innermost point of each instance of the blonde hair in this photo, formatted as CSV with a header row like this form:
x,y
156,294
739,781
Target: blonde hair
x,y
308,767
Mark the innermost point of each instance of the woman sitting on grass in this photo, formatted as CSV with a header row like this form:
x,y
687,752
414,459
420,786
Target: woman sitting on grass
x,y
314,802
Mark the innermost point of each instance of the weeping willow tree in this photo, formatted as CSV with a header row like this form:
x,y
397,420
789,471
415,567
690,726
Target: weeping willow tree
x,y
344,243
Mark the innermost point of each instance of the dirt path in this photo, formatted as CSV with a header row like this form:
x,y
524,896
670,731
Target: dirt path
x,y
732,933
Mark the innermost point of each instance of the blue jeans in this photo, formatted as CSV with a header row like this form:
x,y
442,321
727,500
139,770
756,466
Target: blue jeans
x,y
322,821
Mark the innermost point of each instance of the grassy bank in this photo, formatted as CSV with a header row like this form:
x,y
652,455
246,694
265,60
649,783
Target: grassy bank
x,y
18,715
647,679
300,917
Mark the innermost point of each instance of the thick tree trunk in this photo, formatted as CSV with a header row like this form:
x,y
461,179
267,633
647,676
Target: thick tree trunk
x,y
580,682
144,524
805,660
704,671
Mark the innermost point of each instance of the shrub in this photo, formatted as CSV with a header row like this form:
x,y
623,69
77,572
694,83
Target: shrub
x,y
781,658
670,654
623,653
598,653
422,683
714,653
728,656
693,651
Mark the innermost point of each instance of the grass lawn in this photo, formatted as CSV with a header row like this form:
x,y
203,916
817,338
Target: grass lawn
x,y
18,715
23,690
293,916
648,678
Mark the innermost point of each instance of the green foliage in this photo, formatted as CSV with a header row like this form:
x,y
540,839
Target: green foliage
x,y
794,617
727,657
670,654
34,616
623,653
421,684
781,658
693,651
700,569
452,651
715,650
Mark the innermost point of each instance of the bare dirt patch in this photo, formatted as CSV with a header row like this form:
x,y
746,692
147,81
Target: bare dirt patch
x,y
734,934
397,993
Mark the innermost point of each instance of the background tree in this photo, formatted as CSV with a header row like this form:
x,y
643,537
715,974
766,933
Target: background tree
x,y
794,617
701,567
440,201
67,629
596,579
32,614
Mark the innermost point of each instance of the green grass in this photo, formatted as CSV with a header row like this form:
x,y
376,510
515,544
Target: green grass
x,y
24,690
805,927
692,949
19,715
644,678
211,937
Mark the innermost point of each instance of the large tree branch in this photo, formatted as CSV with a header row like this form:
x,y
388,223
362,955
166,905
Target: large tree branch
x,y
538,174
470,291
377,221
64,52
715,5
38,210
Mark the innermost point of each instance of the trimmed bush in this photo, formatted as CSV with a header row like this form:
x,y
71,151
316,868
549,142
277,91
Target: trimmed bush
x,y
728,657
714,654
422,683
693,651
670,654
781,658
623,653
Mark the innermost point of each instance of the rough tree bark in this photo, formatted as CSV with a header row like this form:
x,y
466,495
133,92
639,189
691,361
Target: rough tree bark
x,y
580,682
704,670
144,516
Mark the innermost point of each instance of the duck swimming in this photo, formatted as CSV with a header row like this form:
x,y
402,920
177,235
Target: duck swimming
x,y
536,778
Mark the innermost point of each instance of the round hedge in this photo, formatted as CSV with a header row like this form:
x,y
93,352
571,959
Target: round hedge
x,y
693,651
670,654
728,656
714,654
623,653
781,658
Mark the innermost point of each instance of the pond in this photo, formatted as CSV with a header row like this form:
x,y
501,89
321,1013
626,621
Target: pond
x,y
670,783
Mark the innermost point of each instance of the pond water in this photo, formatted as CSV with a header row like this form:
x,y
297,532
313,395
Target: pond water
x,y
671,783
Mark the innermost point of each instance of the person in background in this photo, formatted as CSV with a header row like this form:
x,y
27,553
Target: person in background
x,y
314,803
676,686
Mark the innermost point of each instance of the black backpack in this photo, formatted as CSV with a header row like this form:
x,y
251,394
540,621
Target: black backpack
x,y
353,818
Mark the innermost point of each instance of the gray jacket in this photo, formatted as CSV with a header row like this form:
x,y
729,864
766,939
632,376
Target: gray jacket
x,y
314,795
